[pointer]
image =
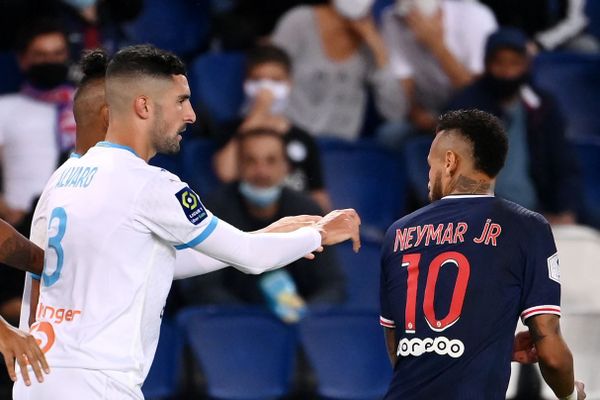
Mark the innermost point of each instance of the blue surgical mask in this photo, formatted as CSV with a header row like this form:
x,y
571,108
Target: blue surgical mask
x,y
260,197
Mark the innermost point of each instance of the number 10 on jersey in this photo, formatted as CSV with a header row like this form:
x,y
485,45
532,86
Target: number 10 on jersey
x,y
411,263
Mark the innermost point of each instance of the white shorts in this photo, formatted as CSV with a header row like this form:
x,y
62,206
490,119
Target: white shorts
x,y
74,384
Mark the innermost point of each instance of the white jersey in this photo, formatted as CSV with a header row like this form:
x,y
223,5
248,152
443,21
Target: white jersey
x,y
110,224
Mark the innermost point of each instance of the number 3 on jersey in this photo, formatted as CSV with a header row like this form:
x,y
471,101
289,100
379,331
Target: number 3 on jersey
x,y
58,216
411,262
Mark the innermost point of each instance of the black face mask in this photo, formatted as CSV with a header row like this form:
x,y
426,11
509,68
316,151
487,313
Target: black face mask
x,y
503,89
47,76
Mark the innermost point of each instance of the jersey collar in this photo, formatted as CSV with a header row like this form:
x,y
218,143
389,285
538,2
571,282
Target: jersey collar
x,y
466,196
116,146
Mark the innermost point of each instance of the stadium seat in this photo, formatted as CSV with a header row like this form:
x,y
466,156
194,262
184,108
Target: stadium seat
x,y
592,11
245,353
363,176
417,170
347,352
588,152
216,81
181,26
196,163
575,81
171,163
9,71
362,275
162,380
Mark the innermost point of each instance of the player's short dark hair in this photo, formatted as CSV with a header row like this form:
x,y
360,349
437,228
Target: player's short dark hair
x,y
37,27
145,59
485,132
93,65
267,54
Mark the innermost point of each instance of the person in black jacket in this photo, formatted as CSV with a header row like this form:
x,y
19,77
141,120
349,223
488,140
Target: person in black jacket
x,y
258,199
541,170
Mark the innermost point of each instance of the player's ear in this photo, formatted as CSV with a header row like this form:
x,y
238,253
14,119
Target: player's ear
x,y
142,107
450,163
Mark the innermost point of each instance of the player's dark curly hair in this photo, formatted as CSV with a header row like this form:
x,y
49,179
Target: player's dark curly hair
x,y
93,65
267,54
485,132
145,59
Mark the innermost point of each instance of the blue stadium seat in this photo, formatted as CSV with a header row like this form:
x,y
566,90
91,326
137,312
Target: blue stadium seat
x,y
245,353
378,7
575,81
366,177
347,352
417,170
592,11
181,26
196,165
171,163
361,271
216,81
163,377
588,151
9,71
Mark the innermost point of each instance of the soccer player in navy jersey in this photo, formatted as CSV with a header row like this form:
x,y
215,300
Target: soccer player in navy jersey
x,y
457,274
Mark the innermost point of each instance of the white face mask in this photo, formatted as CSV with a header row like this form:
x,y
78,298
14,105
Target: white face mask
x,y
426,7
280,91
353,9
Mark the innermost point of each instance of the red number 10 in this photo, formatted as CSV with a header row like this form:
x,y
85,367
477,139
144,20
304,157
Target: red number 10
x,y
411,262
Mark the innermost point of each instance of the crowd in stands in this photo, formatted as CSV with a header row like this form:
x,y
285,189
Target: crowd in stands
x,y
280,86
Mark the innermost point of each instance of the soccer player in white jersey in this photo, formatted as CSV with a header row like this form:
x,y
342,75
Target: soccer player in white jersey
x,y
113,226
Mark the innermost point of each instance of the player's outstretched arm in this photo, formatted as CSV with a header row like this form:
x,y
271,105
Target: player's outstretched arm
x,y
18,252
255,253
192,263
555,359
15,344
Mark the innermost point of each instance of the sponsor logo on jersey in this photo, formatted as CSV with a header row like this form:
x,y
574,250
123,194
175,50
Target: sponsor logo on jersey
x,y
44,335
440,345
191,205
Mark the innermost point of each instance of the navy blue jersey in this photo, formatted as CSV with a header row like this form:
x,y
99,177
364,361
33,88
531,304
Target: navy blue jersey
x,y
455,277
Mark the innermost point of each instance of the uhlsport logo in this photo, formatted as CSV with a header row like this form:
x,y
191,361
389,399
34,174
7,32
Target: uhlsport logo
x,y
440,345
191,205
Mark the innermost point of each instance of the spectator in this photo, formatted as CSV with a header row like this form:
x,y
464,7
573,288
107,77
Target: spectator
x,y
336,51
267,88
540,172
550,24
436,47
37,124
257,200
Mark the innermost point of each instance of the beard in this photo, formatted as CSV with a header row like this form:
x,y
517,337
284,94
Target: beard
x,y
164,141
435,188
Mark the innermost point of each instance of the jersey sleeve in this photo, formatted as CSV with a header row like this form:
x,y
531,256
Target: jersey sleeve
x,y
173,212
541,286
385,316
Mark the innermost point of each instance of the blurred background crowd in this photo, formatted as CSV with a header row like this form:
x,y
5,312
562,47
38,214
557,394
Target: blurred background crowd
x,y
305,106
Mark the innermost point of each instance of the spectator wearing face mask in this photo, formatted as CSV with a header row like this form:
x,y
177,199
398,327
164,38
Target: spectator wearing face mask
x,y
267,87
337,53
540,172
36,124
255,201
436,47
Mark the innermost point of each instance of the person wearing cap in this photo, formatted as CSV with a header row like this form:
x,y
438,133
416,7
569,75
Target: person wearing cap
x,y
541,171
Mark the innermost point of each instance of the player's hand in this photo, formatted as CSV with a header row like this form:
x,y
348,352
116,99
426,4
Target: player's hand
x,y
338,226
16,344
580,390
524,351
290,224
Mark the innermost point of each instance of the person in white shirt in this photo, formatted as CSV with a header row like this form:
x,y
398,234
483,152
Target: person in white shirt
x,y
436,47
112,225
36,124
